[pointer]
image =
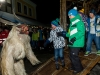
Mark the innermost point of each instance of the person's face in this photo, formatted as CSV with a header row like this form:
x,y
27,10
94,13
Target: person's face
x,y
71,16
91,15
53,26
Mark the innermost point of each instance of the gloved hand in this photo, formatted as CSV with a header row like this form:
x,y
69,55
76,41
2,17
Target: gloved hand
x,y
71,42
59,33
47,42
63,34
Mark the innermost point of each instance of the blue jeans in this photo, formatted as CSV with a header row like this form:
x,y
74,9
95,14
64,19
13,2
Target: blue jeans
x,y
59,53
34,43
90,39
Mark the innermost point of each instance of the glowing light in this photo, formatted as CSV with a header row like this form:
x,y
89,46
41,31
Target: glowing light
x,y
1,1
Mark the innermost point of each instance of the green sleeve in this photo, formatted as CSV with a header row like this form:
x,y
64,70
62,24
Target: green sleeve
x,y
67,35
81,30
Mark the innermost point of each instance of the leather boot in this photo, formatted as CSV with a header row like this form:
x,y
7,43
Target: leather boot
x,y
57,66
63,63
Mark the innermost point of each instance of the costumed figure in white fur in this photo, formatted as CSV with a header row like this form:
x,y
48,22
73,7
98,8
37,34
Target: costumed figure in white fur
x,y
15,48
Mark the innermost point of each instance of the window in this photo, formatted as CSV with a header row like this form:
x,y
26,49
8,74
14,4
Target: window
x,y
25,10
9,1
19,7
3,8
30,12
9,9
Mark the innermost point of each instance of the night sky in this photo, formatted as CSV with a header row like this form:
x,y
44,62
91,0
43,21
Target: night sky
x,y
47,10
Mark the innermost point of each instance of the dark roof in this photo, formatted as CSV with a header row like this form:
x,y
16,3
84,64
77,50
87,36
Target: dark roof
x,y
20,19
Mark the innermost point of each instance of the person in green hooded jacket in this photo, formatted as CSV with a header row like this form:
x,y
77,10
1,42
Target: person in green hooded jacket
x,y
76,35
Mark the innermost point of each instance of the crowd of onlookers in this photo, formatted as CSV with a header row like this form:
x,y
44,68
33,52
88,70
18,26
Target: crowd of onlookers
x,y
38,36
4,31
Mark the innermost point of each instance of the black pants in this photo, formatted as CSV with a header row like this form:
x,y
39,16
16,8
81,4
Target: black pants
x,y
0,48
75,60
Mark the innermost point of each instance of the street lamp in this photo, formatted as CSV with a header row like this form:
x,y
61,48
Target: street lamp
x,y
1,1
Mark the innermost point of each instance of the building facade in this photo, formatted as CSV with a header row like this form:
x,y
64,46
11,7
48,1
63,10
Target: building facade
x,y
24,8
19,11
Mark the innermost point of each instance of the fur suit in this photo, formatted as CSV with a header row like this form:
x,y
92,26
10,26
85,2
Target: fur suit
x,y
15,49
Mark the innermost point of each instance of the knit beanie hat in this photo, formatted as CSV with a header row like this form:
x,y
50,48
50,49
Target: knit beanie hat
x,y
92,11
75,8
73,12
81,11
57,19
55,22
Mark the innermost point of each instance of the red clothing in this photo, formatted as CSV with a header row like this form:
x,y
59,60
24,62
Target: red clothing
x,y
0,39
3,36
